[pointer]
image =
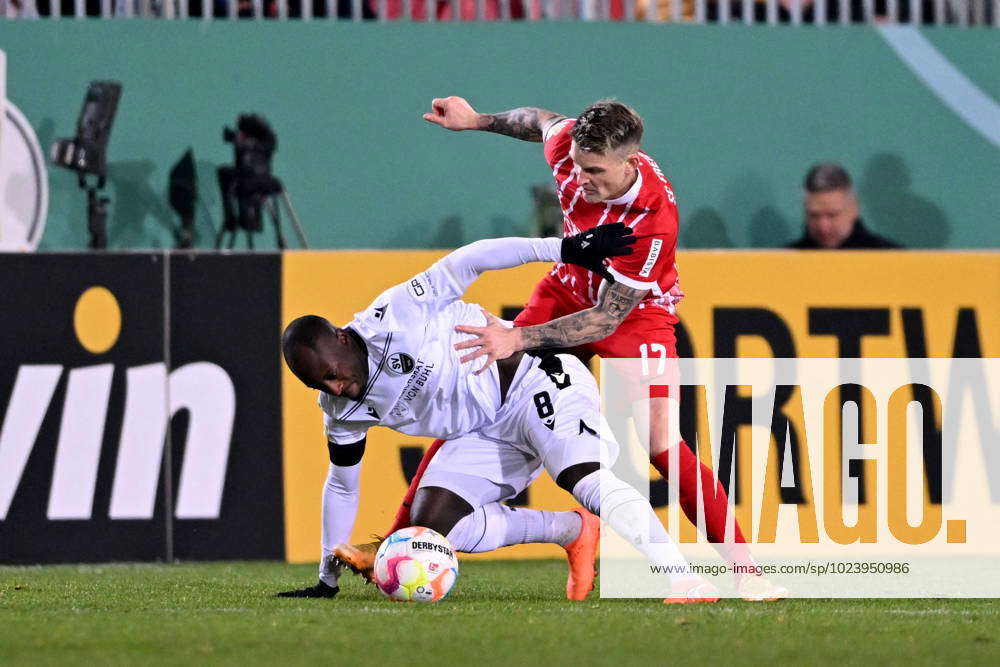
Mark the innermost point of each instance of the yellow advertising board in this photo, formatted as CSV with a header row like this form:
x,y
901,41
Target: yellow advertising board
x,y
823,301
746,304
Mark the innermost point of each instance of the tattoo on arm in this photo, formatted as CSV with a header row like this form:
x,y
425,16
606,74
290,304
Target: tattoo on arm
x,y
618,300
525,123
614,303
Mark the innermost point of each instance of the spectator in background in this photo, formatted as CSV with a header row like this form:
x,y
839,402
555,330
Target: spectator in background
x,y
18,9
831,212
857,11
320,9
664,10
468,10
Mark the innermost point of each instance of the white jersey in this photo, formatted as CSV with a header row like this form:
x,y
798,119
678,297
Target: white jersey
x,y
416,384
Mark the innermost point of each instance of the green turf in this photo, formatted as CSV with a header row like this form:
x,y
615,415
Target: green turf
x,y
500,613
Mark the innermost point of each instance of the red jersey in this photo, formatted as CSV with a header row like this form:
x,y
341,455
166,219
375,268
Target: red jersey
x,y
649,208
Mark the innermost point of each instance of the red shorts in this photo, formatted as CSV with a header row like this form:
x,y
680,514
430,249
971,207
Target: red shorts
x,y
646,332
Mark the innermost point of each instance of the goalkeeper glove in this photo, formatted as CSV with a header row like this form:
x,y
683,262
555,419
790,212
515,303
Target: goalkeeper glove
x,y
589,249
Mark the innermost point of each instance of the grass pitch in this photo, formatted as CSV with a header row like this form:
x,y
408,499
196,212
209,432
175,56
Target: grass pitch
x,y
500,613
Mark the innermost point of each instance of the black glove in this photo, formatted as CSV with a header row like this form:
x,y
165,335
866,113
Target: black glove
x,y
320,590
590,248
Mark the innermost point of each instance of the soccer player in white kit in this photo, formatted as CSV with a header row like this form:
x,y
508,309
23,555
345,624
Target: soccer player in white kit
x,y
394,365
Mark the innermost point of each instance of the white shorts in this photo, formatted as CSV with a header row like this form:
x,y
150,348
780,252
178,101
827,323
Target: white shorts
x,y
551,419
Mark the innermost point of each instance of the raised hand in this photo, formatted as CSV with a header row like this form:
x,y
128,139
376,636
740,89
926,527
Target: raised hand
x,y
453,113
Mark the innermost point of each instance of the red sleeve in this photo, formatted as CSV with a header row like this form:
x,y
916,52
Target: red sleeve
x,y
558,141
654,252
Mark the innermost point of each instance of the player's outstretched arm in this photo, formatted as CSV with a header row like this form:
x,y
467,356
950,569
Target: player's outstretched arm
x,y
614,302
525,123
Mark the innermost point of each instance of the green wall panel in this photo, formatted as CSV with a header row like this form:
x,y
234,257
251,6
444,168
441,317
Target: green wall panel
x,y
734,114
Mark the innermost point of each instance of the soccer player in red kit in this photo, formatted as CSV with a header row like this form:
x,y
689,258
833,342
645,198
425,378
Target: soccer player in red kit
x,y
628,310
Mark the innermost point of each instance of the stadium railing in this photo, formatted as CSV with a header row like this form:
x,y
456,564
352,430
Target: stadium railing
x,y
773,12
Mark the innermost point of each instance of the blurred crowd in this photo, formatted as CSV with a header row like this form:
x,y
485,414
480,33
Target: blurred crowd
x,y
970,12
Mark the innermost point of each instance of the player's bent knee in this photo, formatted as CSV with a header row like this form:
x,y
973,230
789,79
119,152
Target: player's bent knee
x,y
438,508
568,478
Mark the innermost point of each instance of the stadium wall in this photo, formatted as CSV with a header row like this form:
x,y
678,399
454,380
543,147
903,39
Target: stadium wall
x,y
146,414
735,115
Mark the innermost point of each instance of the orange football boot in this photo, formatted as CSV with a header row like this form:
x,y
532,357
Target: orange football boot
x,y
358,558
582,556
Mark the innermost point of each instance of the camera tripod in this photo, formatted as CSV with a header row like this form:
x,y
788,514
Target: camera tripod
x,y
253,196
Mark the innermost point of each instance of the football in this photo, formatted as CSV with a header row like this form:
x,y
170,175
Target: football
x,y
415,564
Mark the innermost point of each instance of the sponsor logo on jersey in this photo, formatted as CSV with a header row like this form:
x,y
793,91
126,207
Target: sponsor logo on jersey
x,y
586,429
654,253
416,288
372,412
380,312
431,546
400,363
550,423
414,384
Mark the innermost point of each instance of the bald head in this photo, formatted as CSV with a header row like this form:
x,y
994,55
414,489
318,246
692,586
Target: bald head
x,y
324,357
304,332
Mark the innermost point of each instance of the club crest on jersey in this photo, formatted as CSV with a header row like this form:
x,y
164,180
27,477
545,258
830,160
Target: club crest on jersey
x,y
400,363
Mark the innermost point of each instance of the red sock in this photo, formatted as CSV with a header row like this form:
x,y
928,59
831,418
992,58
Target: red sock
x,y
714,499
402,519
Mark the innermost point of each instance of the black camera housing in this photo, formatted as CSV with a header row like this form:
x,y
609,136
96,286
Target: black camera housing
x,y
86,153
254,144
246,184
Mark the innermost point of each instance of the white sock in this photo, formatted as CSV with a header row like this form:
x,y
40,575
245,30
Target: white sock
x,y
631,516
561,527
496,525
